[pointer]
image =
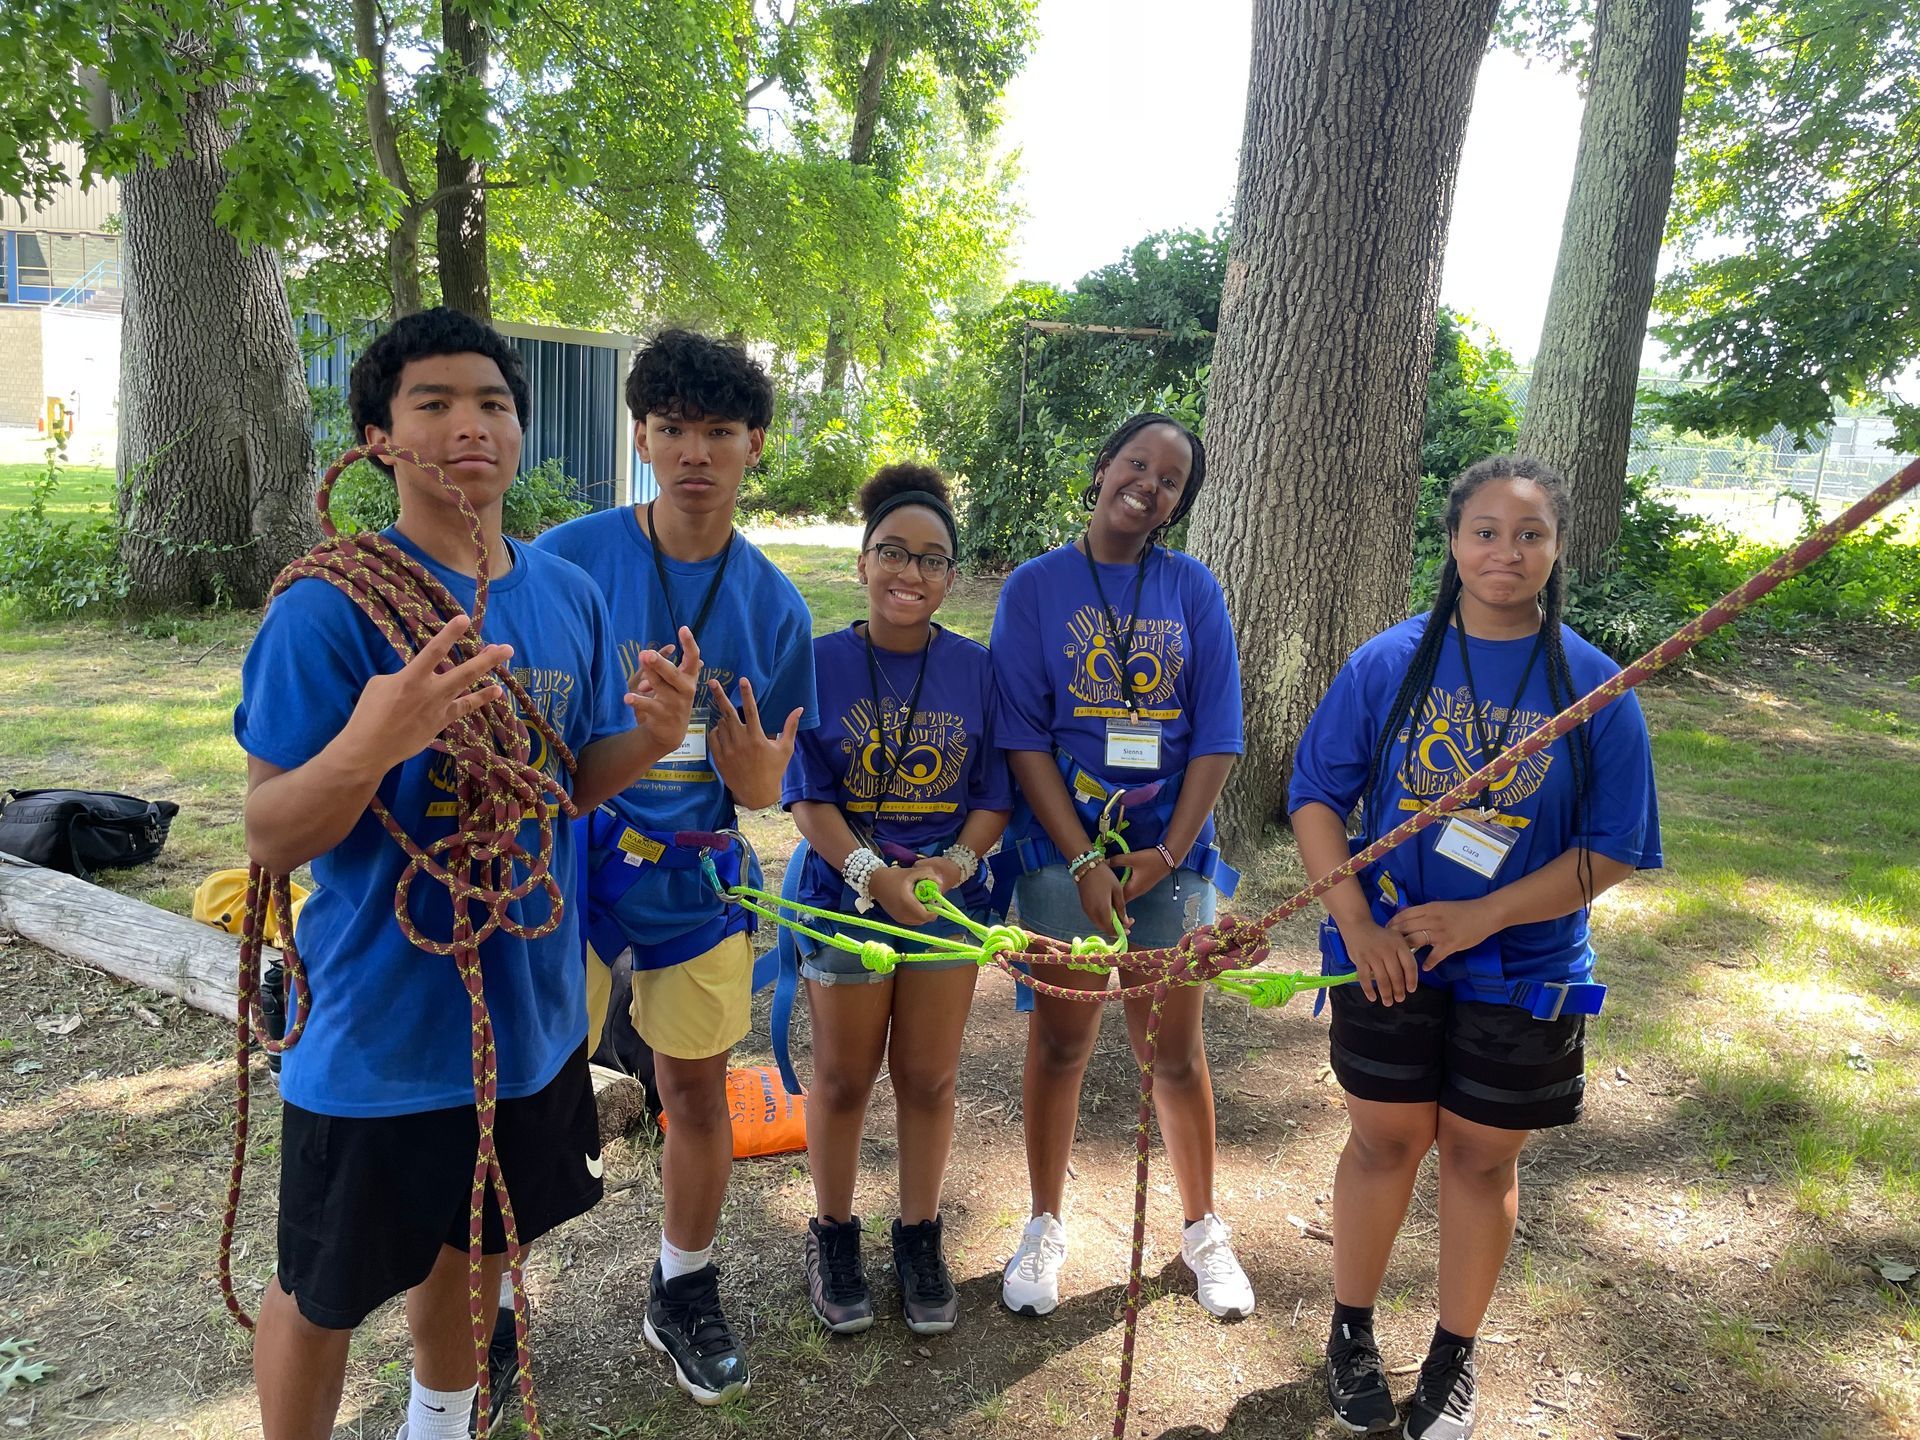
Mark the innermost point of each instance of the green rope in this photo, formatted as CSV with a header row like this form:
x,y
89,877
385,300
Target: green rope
x,y
1265,989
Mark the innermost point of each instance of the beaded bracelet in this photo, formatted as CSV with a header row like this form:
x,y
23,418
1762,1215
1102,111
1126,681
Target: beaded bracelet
x,y
964,859
858,871
1080,864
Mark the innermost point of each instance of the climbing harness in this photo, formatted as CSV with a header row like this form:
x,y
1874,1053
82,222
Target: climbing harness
x,y
1230,952
497,788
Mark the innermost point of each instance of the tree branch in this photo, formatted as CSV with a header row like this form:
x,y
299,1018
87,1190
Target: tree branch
x,y
369,47
467,187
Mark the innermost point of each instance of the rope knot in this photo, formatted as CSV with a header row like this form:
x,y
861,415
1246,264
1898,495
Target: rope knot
x,y
878,956
1002,940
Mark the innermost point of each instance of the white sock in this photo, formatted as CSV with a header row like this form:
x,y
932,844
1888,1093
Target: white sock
x,y
506,1289
675,1262
439,1414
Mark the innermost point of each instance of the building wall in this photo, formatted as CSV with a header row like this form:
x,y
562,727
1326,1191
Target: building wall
x,y
21,394
80,364
73,208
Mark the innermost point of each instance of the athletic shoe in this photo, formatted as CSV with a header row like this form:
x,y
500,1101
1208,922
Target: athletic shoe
x,y
1031,1283
1442,1407
503,1376
1357,1384
685,1323
1221,1287
927,1296
836,1283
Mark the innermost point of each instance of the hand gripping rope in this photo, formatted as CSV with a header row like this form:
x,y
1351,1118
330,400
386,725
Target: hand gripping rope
x,y
496,789
1210,953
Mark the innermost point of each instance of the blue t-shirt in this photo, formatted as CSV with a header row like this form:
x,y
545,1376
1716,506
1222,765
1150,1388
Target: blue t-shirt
x,y
1058,677
758,629
948,766
389,1033
1539,807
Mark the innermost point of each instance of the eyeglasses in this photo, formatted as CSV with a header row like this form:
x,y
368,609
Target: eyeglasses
x,y
894,558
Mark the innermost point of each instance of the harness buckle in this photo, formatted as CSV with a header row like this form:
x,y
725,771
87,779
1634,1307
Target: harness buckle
x,y
1560,989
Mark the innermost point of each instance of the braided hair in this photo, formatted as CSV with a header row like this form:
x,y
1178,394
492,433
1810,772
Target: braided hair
x,y
1118,441
1414,688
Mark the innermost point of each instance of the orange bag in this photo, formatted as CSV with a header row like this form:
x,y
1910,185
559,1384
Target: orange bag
x,y
766,1120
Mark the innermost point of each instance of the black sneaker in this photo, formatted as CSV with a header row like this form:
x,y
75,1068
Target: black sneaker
x,y
503,1377
1442,1407
1356,1383
273,1008
927,1295
836,1281
685,1323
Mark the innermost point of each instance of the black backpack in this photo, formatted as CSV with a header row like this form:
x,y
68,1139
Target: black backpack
x,y
80,831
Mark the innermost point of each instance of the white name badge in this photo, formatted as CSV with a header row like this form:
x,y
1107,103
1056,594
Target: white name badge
x,y
1475,844
694,747
1133,745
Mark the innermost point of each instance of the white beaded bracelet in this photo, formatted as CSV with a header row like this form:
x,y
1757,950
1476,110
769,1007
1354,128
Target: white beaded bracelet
x,y
964,858
858,871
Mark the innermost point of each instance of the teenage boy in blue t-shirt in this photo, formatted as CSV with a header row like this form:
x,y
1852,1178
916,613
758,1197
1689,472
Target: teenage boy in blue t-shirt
x,y
379,1128
700,411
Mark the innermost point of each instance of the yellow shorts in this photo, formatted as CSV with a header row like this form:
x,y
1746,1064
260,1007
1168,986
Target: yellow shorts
x,y
691,1011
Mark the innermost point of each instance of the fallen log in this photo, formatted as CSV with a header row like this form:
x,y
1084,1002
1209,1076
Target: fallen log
x,y
147,946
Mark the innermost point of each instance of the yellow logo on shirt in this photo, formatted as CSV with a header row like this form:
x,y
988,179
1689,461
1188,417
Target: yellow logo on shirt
x,y
552,693
1445,751
931,755
1102,680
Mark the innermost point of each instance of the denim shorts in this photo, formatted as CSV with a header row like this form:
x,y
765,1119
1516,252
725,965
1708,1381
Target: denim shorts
x,y
830,965
1048,901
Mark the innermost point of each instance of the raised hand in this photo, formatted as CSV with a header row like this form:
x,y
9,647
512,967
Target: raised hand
x,y
748,759
661,693
399,715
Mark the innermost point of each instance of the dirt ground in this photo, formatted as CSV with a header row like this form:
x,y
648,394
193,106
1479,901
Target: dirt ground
x,y
1653,1291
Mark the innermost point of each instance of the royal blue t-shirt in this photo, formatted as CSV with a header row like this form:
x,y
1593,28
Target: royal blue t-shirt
x,y
948,763
1058,676
390,1033
1538,806
759,629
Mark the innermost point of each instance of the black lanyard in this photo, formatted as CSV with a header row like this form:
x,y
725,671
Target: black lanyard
x,y
713,590
899,746
1122,644
1513,710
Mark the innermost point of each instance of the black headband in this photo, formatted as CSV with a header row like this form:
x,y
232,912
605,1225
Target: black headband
x,y
915,497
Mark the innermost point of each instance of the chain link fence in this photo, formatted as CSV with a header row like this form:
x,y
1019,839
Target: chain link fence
x,y
1748,485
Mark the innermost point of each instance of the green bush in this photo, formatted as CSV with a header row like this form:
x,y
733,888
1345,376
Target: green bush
x,y
51,567
364,498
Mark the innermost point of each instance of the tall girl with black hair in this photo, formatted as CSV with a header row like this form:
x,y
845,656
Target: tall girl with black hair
x,y
1465,1028
901,783
1118,702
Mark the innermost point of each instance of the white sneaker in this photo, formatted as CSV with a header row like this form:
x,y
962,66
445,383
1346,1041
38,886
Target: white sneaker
x,y
1222,1287
1031,1284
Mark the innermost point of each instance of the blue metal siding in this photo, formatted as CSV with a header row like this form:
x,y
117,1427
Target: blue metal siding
x,y
578,400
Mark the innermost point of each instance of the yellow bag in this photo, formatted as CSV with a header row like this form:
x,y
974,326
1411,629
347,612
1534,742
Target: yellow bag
x,y
222,897
766,1119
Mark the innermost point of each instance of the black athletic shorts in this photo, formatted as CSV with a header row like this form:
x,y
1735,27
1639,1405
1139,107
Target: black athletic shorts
x,y
1491,1064
367,1204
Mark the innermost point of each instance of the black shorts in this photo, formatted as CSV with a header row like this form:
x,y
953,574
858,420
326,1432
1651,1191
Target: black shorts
x,y
367,1204
1492,1064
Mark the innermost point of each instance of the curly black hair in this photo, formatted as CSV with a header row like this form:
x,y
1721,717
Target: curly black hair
x,y
891,480
1117,441
440,331
689,376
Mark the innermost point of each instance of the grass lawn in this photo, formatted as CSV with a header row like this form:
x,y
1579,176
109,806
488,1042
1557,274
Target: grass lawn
x,y
1702,1256
82,489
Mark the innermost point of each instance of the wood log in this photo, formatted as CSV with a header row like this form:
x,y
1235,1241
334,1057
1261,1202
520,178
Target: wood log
x,y
162,951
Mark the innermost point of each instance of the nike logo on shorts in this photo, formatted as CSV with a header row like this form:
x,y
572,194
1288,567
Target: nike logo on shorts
x,y
596,1167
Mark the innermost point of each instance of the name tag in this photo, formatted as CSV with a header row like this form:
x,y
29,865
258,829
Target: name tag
x,y
1475,844
694,747
1133,745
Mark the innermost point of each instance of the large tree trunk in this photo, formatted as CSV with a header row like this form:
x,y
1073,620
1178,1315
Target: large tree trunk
x,y
216,450
1355,118
866,123
460,206
1579,415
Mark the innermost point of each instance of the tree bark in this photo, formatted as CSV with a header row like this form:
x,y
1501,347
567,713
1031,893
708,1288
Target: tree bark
x,y
216,450
1355,118
866,123
460,206
403,242
1579,412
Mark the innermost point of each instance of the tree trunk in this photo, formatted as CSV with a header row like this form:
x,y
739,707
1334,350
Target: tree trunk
x,y
1355,118
866,123
1579,413
216,450
403,243
460,206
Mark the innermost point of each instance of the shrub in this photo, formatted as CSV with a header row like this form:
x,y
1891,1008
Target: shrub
x,y
52,567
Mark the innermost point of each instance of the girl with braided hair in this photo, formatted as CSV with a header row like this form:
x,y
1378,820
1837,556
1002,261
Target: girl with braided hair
x,y
1465,1029
1118,702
